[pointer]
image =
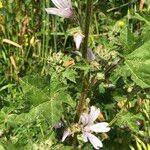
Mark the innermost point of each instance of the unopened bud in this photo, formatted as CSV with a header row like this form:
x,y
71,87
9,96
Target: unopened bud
x,y
78,37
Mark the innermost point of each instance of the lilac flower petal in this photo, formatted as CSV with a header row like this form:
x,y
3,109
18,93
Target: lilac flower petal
x,y
62,3
90,55
94,140
99,127
63,8
93,114
84,119
85,139
65,135
59,3
66,13
92,109
69,3
86,129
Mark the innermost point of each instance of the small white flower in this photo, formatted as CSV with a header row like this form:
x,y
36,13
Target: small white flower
x,y
78,37
64,8
87,121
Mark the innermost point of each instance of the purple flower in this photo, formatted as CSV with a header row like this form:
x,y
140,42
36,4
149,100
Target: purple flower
x,y
64,8
88,127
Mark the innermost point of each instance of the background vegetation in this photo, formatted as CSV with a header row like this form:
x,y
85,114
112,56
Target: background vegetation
x,y
38,84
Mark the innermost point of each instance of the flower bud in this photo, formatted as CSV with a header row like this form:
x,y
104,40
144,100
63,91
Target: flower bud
x,y
78,37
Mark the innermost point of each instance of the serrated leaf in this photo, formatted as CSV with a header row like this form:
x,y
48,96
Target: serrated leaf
x,y
46,94
138,63
36,89
40,89
55,84
51,111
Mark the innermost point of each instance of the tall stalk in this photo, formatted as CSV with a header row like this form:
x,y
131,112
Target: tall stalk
x,y
85,79
89,7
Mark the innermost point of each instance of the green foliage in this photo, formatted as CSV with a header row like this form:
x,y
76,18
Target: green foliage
x,y
129,120
138,63
69,74
46,97
43,77
140,145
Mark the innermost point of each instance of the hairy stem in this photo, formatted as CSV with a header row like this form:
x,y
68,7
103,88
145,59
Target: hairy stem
x,y
85,79
86,27
84,95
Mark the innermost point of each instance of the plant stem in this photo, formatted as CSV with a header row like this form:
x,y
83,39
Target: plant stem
x,y
89,7
85,79
84,95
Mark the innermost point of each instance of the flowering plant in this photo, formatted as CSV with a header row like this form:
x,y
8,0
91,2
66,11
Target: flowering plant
x,y
87,127
65,66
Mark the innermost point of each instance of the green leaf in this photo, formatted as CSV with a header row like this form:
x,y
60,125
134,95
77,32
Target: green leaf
x,y
51,111
69,74
127,39
141,18
83,66
46,94
36,89
138,62
129,119
41,89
